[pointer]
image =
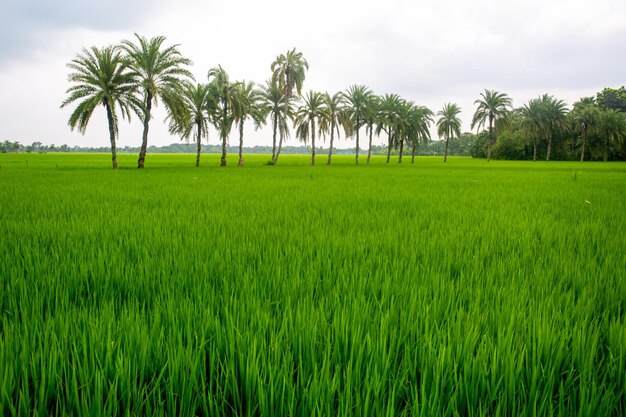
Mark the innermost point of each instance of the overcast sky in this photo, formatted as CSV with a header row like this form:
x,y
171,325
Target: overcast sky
x,y
428,52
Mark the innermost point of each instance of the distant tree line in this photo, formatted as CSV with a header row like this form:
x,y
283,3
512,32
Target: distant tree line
x,y
130,78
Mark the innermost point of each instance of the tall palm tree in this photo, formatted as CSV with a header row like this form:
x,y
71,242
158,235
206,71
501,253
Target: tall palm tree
x,y
313,109
357,98
100,77
585,117
289,72
492,108
371,119
160,71
197,100
533,122
449,124
613,128
280,112
335,117
388,116
421,117
248,106
554,119
224,93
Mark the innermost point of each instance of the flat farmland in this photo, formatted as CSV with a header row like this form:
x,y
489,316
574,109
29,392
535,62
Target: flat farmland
x,y
425,289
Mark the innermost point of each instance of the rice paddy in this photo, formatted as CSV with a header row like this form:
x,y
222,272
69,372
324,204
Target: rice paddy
x,y
471,288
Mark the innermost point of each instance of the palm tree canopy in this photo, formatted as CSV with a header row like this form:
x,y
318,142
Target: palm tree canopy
x,y
357,98
449,123
491,107
314,108
289,72
196,100
160,71
100,77
249,104
224,95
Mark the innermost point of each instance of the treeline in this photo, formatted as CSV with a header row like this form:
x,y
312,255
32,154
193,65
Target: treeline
x,y
128,79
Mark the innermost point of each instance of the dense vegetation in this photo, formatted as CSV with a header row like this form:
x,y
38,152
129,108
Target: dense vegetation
x,y
130,78
427,289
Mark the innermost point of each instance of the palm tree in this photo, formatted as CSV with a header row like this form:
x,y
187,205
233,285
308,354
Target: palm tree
x,y
312,110
160,73
248,106
533,123
280,112
492,108
613,128
197,100
334,118
289,72
421,118
371,118
389,109
449,124
357,98
224,93
585,117
554,119
100,77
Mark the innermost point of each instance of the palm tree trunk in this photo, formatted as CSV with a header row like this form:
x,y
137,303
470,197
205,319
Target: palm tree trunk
x,y
275,126
582,152
280,146
144,141
112,135
332,139
534,149
413,154
199,138
608,149
369,149
357,143
549,149
225,116
490,141
240,143
401,149
445,154
389,146
312,142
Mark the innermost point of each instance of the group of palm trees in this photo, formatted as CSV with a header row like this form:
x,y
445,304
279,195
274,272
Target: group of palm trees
x,y
131,77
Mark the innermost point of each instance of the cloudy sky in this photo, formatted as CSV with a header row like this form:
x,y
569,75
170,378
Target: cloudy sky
x,y
428,52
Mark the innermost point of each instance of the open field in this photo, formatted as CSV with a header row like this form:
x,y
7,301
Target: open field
x,y
470,288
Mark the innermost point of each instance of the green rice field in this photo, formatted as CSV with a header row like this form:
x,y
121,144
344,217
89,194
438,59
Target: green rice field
x,y
460,289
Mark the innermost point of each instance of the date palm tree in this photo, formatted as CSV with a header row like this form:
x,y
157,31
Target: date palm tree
x,y
449,124
160,71
280,112
389,110
372,110
288,73
492,109
100,77
335,117
224,94
533,123
554,119
421,118
248,106
312,111
357,98
196,98
585,117
612,125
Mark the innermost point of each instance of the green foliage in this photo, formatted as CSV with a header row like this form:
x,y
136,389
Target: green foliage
x,y
612,98
465,289
513,145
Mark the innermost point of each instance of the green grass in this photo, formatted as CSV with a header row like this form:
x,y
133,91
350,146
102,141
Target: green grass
x,y
470,288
